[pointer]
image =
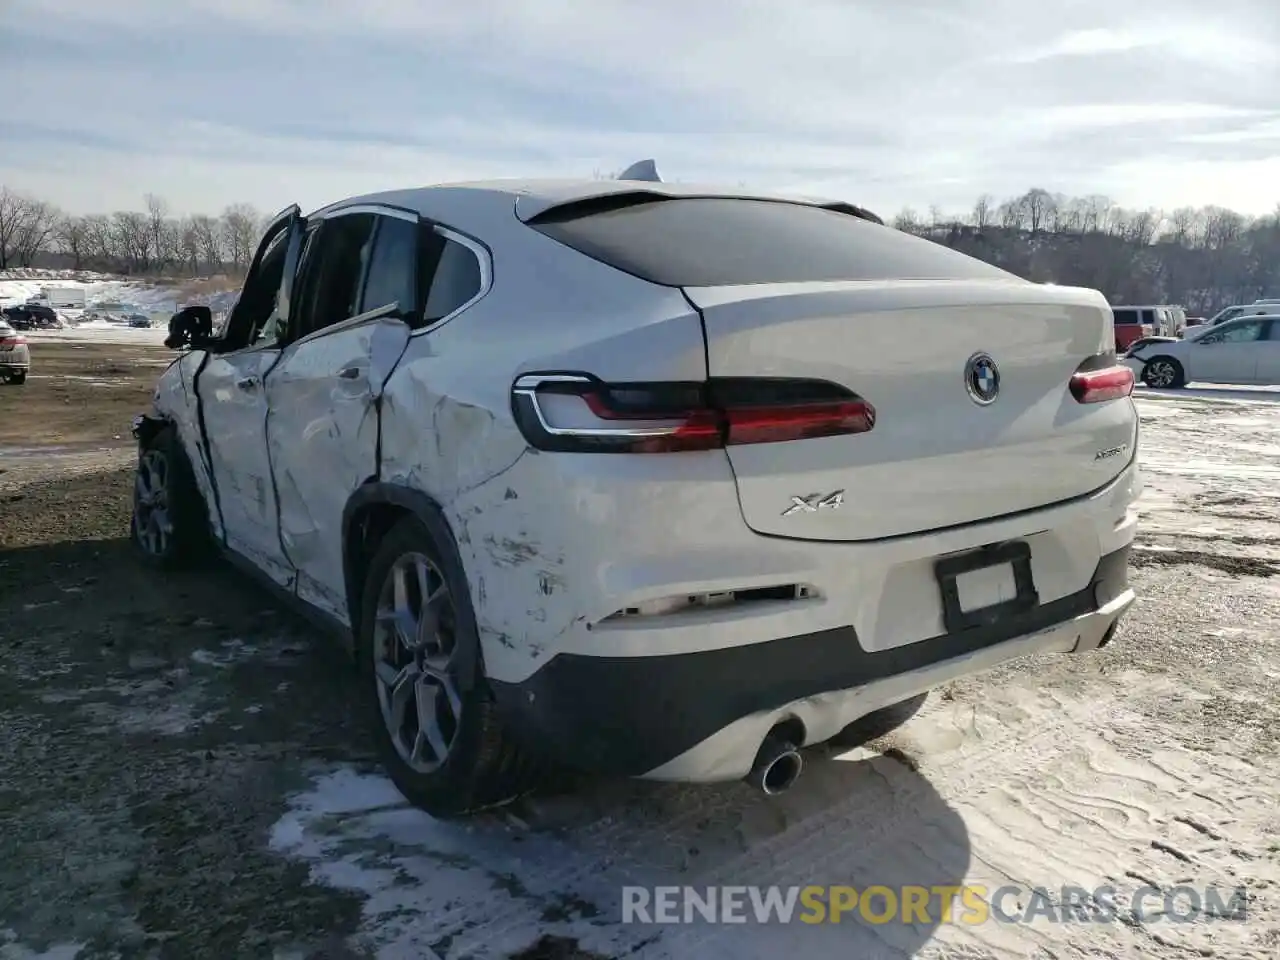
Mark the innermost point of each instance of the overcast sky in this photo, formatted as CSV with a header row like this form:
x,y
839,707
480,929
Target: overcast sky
x,y
887,103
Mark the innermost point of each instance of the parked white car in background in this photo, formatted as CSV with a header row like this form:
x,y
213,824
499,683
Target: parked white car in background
x,y
1260,308
1244,351
646,479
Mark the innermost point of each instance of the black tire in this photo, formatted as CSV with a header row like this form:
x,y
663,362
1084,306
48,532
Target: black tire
x,y
1164,373
878,724
482,768
17,378
188,538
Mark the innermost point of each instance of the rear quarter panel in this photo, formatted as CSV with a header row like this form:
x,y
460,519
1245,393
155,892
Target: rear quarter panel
x,y
524,535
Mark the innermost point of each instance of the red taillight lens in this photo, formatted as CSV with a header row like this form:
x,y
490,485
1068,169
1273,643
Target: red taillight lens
x,y
799,421
670,417
12,342
1103,383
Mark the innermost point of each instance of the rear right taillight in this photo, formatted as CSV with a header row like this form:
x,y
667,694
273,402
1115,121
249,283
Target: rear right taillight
x,y
573,412
1099,379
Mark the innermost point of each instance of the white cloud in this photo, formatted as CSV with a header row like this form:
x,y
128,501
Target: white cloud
x,y
937,101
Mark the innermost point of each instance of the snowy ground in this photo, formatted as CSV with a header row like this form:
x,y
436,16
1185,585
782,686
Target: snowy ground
x,y
119,297
193,785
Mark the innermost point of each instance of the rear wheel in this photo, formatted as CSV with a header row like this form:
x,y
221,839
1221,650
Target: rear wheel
x,y
18,377
1164,373
435,723
878,724
170,527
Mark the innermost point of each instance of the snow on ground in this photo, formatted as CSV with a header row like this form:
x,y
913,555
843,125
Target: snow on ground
x,y
100,332
108,300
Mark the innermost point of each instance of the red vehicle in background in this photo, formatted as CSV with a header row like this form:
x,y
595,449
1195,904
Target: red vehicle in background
x,y
1132,323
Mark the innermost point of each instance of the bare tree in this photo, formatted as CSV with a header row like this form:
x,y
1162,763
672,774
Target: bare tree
x,y
982,211
240,234
188,245
70,235
13,211
907,221
100,245
1035,207
132,233
208,238
157,210
36,223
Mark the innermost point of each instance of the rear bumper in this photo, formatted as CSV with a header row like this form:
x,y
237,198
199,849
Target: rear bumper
x,y
15,366
702,715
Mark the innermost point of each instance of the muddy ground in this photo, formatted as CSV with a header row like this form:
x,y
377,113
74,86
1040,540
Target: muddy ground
x,y
181,774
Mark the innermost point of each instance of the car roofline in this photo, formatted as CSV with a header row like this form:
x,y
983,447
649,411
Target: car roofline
x,y
531,198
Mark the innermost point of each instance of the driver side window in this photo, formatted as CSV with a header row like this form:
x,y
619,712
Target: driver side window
x,y
255,311
333,264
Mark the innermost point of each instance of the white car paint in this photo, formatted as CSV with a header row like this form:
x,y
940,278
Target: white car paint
x,y
595,555
1226,353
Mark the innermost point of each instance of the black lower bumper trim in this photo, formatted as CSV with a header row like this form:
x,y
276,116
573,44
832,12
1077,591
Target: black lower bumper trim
x,y
628,715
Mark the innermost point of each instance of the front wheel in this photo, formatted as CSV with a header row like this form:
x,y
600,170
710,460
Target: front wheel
x,y
169,526
435,723
1163,373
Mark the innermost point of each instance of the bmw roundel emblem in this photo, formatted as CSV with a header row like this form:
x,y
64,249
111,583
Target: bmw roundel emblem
x,y
982,379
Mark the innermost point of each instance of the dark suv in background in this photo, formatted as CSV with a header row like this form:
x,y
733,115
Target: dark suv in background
x,y
30,316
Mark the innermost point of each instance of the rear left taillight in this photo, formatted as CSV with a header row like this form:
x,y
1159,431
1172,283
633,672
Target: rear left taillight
x,y
573,412
11,342
1101,378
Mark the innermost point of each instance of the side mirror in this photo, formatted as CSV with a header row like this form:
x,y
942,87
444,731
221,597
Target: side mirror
x,y
190,327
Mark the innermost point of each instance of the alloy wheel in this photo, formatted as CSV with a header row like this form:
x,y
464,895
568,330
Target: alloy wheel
x,y
414,642
152,522
1160,373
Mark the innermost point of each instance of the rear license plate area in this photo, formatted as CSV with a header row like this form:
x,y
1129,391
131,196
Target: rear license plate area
x,y
985,586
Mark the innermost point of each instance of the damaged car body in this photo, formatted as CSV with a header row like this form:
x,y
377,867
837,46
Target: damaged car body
x,y
589,474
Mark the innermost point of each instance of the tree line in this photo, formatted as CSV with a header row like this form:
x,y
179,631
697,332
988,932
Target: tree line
x,y
1202,258
147,242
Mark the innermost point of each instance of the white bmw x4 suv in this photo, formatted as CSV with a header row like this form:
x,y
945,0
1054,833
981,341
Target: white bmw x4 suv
x,y
645,479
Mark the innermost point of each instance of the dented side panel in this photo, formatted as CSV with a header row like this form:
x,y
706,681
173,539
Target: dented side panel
x,y
322,438
175,400
234,406
526,533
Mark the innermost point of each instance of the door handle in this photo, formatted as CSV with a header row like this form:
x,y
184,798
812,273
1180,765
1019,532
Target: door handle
x,y
350,373
248,383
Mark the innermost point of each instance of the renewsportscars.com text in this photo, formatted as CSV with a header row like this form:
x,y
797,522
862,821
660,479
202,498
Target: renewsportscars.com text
x,y
969,905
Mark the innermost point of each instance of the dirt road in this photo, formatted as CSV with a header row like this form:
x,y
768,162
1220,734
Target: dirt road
x,y
180,774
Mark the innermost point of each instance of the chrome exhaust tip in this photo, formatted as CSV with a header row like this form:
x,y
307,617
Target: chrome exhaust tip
x,y
777,766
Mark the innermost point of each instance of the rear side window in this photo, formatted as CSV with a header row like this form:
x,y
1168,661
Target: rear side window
x,y
697,241
1125,317
1148,316
393,266
456,282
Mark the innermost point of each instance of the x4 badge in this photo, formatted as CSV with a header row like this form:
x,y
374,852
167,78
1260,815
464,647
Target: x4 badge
x,y
815,502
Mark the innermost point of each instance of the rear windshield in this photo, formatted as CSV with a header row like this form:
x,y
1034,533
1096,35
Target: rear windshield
x,y
695,241
1124,317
